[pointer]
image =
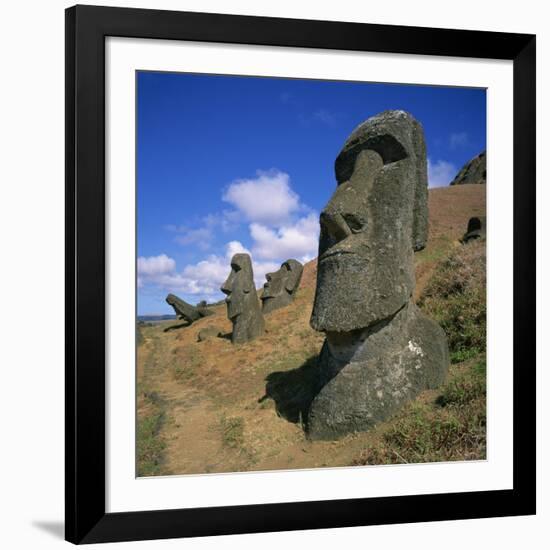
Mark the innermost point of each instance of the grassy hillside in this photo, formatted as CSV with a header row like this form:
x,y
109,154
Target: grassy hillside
x,y
214,407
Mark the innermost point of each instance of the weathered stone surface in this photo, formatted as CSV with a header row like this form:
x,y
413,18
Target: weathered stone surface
x,y
366,376
209,332
375,219
243,306
477,229
380,350
281,286
186,311
474,171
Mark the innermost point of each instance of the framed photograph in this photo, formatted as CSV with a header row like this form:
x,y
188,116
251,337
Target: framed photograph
x,y
300,274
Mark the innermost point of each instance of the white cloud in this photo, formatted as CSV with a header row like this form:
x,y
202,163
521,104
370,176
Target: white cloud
x,y
155,265
200,237
228,220
458,139
235,247
440,173
203,279
266,199
299,240
269,205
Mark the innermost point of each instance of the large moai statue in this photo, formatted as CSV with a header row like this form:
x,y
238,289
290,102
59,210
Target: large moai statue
x,y
281,286
186,311
243,306
380,350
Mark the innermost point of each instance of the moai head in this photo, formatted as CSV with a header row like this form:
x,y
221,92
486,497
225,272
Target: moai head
x,y
243,307
374,221
477,227
182,308
281,286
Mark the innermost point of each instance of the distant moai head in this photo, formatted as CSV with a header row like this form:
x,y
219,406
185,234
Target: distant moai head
x,y
243,306
239,286
182,308
477,229
373,223
171,299
281,286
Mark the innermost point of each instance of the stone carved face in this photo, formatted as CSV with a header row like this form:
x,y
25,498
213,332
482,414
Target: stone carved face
x,y
182,308
281,285
372,224
239,286
171,299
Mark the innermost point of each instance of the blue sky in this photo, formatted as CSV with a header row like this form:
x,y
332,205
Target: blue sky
x,y
228,164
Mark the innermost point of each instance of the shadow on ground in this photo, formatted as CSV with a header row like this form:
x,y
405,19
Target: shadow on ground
x,y
293,390
176,327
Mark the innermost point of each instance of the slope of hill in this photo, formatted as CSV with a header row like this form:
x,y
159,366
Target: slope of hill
x,y
214,407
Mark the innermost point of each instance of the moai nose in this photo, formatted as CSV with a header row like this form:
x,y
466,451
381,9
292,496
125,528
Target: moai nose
x,y
335,226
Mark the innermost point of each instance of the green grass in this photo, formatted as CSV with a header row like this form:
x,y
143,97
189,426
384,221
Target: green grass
x,y
437,250
150,446
464,354
232,431
465,388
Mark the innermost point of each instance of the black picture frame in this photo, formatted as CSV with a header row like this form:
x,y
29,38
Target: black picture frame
x,y
86,30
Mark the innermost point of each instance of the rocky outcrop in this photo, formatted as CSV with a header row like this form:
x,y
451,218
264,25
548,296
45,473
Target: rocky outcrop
x,y
380,350
474,171
281,286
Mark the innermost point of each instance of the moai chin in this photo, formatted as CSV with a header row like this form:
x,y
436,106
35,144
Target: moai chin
x,y
380,350
243,306
281,286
